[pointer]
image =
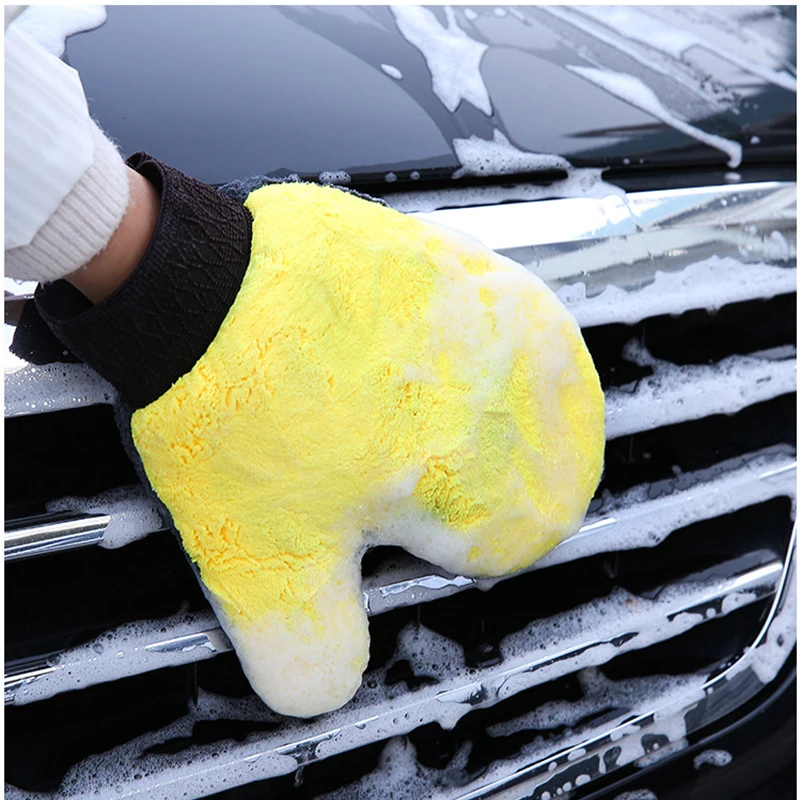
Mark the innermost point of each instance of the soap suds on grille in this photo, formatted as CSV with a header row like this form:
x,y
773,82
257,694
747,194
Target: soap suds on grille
x,y
711,283
770,656
52,387
724,387
453,58
716,758
133,514
379,711
129,649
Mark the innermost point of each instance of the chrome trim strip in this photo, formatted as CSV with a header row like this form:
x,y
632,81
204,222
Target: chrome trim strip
x,y
632,520
44,537
586,219
382,712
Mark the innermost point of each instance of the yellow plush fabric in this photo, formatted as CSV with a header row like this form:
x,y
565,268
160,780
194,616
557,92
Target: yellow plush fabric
x,y
378,380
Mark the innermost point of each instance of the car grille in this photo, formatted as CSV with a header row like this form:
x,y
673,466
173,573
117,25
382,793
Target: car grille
x,y
671,608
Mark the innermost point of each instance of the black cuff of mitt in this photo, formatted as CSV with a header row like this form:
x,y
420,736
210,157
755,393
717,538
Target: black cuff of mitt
x,y
158,323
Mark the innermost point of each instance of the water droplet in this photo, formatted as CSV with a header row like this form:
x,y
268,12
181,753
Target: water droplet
x,y
98,648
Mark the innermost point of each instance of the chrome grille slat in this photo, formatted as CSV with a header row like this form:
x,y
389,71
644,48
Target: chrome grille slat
x,y
629,521
676,394
128,512
370,717
23,540
130,649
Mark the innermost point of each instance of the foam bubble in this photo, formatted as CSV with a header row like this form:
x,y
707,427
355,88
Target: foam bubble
x,y
717,758
338,177
392,72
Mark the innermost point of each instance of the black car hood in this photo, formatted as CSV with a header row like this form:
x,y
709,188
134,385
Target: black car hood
x,y
407,94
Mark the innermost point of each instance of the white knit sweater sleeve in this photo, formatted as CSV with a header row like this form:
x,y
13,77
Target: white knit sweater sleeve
x,y
66,186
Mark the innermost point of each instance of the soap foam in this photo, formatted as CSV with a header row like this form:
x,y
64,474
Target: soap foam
x,y
630,89
133,514
498,156
392,72
580,182
682,393
378,711
52,387
51,25
711,283
674,37
453,58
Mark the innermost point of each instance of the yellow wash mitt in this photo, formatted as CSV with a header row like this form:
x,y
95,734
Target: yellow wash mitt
x,y
378,380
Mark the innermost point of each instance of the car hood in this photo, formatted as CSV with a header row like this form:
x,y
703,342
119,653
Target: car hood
x,y
405,94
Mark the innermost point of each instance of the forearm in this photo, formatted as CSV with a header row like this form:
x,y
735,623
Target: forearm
x,y
108,270
66,185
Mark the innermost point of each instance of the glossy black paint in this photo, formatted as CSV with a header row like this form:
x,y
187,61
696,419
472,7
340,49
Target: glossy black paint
x,y
226,92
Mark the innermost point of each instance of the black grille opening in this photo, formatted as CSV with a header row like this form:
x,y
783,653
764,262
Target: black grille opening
x,y
694,337
662,453
61,453
68,598
46,738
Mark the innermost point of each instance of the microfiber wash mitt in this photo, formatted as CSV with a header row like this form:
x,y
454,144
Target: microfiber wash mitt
x,y
313,373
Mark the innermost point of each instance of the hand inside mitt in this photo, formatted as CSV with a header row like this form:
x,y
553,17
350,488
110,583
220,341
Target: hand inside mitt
x,y
377,379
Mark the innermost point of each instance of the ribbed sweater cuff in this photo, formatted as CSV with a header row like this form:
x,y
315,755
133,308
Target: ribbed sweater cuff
x,y
81,225
155,327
